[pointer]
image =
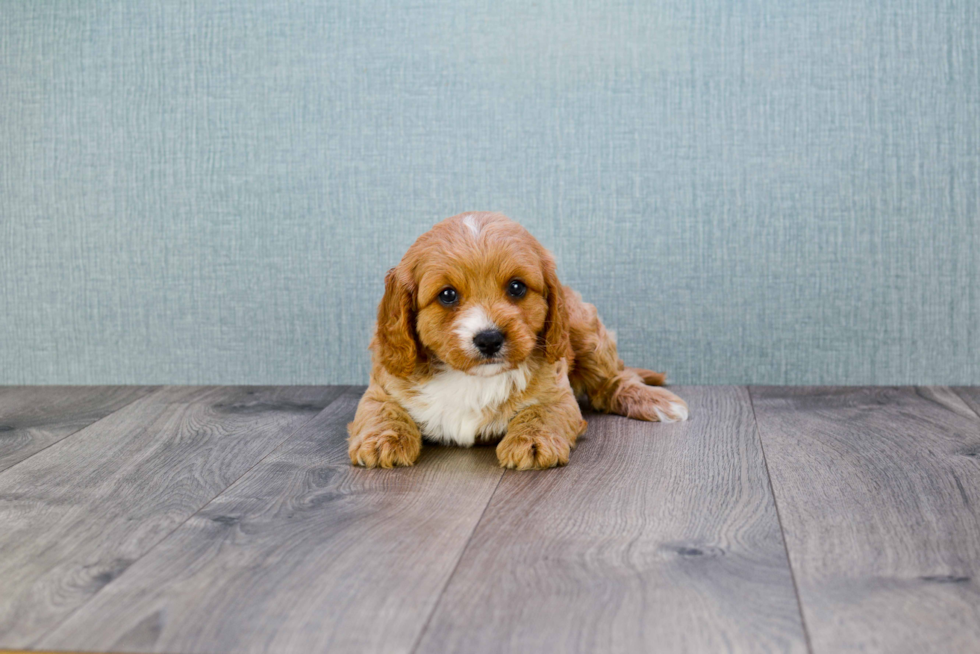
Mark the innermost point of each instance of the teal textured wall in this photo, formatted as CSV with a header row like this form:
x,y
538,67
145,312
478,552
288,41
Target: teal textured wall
x,y
777,191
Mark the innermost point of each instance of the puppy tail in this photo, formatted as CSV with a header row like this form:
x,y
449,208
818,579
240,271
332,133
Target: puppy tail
x,y
649,377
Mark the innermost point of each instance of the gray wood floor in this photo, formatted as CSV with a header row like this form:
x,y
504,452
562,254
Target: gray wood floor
x,y
227,519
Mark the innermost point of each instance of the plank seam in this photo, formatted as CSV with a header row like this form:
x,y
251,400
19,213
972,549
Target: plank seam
x,y
462,552
185,520
81,429
779,521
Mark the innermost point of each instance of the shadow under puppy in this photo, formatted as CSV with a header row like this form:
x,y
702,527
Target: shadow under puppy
x,y
477,341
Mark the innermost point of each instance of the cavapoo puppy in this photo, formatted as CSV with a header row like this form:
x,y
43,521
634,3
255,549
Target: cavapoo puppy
x,y
477,341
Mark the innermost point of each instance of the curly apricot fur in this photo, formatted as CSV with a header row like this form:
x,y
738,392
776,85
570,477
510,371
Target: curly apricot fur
x,y
552,335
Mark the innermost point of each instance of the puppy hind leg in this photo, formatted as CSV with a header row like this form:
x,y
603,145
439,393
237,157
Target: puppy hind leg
x,y
609,384
634,399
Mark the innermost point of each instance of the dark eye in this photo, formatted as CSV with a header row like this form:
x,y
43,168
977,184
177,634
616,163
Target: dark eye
x,y
516,288
448,296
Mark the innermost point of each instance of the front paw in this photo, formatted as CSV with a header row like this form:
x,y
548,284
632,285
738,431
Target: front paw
x,y
649,403
386,448
533,450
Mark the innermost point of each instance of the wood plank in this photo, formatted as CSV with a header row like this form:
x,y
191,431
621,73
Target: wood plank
x,y
654,538
79,513
303,554
35,417
879,494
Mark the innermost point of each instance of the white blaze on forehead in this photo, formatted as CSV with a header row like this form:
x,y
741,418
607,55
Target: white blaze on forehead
x,y
470,221
472,322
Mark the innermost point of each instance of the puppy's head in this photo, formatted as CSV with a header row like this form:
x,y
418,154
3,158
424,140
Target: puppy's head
x,y
476,292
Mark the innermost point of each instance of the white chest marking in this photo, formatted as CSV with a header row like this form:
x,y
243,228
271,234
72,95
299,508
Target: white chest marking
x,y
454,407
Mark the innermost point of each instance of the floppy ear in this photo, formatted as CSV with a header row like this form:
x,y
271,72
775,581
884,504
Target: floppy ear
x,y
557,343
395,340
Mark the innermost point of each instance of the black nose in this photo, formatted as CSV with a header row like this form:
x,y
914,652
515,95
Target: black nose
x,y
488,342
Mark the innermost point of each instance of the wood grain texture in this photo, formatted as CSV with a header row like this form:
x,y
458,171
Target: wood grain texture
x,y
79,513
34,417
303,554
879,494
654,538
